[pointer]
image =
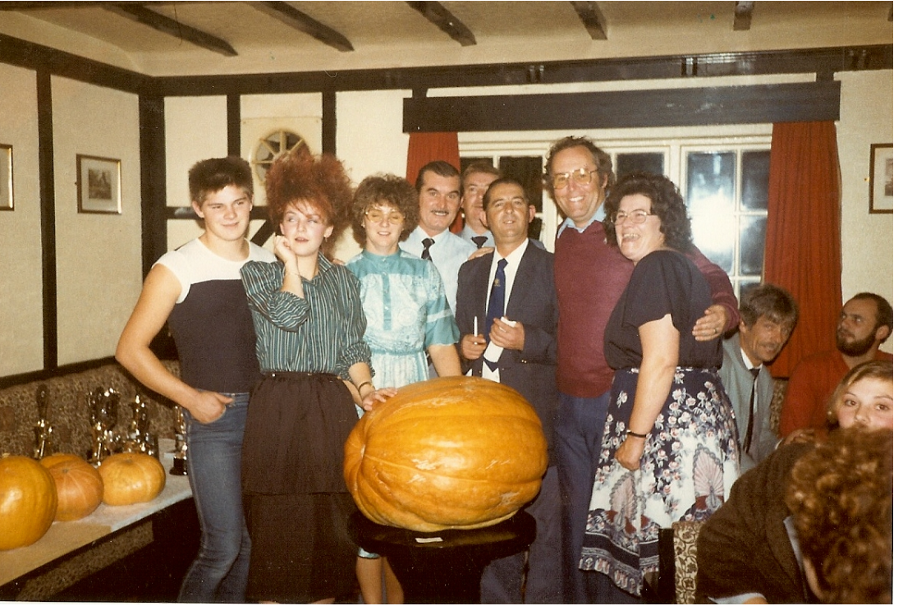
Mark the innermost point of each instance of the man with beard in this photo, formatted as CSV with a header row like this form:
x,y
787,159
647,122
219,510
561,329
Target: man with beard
x,y
865,323
768,315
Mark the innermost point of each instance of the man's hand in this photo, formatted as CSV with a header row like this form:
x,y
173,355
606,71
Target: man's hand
x,y
481,252
473,346
207,406
711,325
507,336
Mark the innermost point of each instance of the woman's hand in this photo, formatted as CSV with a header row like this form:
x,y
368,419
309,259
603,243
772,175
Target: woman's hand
x,y
377,396
629,453
283,251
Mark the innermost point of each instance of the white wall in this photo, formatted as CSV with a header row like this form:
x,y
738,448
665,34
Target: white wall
x,y
21,292
98,255
867,239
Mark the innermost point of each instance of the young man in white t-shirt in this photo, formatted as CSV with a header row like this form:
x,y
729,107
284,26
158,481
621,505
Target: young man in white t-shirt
x,y
198,290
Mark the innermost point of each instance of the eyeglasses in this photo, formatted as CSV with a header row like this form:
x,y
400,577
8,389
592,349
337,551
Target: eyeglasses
x,y
581,176
377,216
637,216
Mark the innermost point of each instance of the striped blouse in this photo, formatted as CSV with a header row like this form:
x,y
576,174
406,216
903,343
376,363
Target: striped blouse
x,y
323,332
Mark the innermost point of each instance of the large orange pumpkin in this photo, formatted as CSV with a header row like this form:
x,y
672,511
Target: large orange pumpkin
x,y
131,477
28,501
453,452
79,486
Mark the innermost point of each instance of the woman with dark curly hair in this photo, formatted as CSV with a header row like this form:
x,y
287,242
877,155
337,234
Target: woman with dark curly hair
x,y
840,498
669,448
748,551
316,366
407,314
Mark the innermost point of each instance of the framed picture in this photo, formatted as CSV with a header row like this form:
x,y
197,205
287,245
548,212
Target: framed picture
x,y
880,178
6,177
99,185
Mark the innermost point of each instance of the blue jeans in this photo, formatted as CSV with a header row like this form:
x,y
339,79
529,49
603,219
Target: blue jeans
x,y
220,570
579,436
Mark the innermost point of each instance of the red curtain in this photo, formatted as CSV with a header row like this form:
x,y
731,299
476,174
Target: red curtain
x,y
803,233
427,147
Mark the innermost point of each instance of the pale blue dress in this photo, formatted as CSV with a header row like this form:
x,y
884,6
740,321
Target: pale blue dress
x,y
405,305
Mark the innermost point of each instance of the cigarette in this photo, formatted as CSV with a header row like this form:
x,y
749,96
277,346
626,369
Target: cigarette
x,y
475,325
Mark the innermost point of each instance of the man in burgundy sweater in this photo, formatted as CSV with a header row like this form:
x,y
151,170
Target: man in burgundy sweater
x,y
590,275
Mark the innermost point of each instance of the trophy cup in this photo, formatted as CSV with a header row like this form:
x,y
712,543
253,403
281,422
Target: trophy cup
x,y
103,405
137,437
43,428
180,453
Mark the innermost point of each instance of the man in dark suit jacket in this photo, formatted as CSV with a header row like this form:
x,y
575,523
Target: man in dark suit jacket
x,y
517,349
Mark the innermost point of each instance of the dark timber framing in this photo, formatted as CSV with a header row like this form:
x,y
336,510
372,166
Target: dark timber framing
x,y
720,105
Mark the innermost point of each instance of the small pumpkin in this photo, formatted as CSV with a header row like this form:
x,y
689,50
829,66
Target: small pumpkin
x,y
28,501
51,460
451,452
79,486
131,477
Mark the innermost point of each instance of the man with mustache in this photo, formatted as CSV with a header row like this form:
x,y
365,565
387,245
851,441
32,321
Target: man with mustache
x,y
768,315
865,323
438,187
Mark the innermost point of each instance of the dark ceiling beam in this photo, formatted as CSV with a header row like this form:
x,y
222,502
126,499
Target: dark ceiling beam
x,y
172,27
743,12
756,104
437,14
593,19
286,13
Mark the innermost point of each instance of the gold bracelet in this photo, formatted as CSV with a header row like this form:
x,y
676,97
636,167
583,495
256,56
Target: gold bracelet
x,y
363,384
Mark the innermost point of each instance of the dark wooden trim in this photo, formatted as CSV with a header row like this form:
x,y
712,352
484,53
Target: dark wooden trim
x,y
171,27
48,217
808,101
826,61
330,122
57,371
152,141
60,63
234,125
291,16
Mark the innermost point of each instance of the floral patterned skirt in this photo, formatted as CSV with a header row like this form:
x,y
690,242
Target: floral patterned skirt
x,y
689,464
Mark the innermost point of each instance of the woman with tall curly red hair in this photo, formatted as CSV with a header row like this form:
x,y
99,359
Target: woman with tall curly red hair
x,y
316,366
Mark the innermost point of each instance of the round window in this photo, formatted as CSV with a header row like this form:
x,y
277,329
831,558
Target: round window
x,y
271,147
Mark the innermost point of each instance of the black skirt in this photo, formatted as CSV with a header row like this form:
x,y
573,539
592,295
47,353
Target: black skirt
x,y
296,503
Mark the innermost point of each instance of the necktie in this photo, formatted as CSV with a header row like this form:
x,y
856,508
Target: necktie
x,y
427,242
496,307
479,240
750,420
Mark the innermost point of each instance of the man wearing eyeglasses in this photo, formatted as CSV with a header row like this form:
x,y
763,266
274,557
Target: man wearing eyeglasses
x,y
438,187
590,276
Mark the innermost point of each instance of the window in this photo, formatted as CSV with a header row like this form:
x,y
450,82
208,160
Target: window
x,y
723,176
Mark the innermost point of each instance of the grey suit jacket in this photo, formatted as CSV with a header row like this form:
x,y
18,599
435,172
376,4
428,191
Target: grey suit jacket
x,y
531,371
738,382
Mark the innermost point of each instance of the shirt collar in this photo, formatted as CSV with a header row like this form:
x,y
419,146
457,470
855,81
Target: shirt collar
x,y
599,215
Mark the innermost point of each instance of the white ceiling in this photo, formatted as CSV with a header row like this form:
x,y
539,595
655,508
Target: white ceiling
x,y
393,34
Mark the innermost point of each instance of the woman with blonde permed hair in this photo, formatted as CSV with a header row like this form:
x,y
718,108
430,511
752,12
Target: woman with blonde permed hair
x,y
747,552
316,366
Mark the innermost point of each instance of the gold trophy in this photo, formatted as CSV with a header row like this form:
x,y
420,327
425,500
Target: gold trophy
x,y
103,405
180,453
137,437
43,428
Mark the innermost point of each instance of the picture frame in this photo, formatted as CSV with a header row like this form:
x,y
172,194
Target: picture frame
x,y
99,185
7,201
881,199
